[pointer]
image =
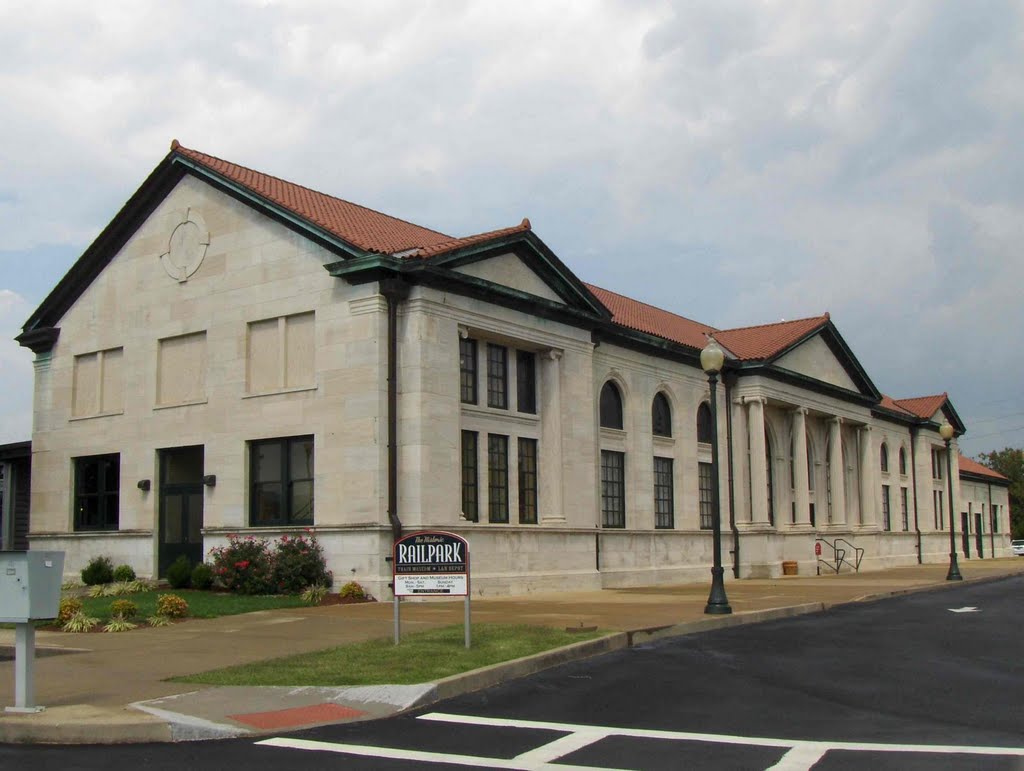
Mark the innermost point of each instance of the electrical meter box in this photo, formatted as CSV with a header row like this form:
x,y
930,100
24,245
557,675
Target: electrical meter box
x,y
30,585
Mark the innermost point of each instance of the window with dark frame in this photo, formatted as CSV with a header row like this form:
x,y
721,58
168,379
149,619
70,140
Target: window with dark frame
x,y
661,416
497,478
886,518
938,461
611,406
470,477
994,514
940,519
467,370
497,376
664,507
613,489
706,484
97,490
527,481
904,509
768,454
704,430
526,382
903,462
884,458
281,481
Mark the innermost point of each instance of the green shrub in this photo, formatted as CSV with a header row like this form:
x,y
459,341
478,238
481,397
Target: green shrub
x,y
352,591
158,620
69,606
124,573
314,595
202,576
179,574
123,609
299,563
100,570
244,565
119,624
140,585
171,606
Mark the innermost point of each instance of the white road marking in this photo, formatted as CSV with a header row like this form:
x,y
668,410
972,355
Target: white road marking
x,y
965,609
426,757
561,746
801,757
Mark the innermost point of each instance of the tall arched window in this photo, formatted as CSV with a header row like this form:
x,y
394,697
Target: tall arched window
x,y
884,452
704,431
903,461
661,416
611,406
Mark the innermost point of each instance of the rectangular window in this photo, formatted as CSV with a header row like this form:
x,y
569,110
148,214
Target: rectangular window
x,y
664,509
181,369
528,481
98,386
281,481
994,514
613,489
526,382
467,370
706,485
497,376
939,518
97,486
497,478
280,353
470,492
904,509
938,461
886,517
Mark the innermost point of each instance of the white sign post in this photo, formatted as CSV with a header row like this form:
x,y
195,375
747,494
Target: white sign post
x,y
431,563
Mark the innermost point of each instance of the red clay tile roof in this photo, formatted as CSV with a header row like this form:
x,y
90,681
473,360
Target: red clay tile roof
x,y
364,228
766,340
890,404
973,467
458,243
642,317
923,406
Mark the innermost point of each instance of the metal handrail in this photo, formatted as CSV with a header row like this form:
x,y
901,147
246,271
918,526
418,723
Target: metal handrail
x,y
839,555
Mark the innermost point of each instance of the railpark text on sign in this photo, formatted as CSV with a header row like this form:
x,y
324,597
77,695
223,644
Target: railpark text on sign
x,y
431,563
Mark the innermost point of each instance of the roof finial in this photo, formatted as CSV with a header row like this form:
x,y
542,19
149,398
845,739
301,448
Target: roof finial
x,y
828,316
175,145
526,223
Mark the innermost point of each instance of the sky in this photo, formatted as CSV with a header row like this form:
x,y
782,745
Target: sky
x,y
738,163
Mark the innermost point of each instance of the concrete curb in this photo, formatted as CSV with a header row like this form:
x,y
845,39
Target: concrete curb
x,y
926,588
85,724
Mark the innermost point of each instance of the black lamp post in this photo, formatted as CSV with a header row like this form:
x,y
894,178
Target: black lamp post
x,y
946,432
711,360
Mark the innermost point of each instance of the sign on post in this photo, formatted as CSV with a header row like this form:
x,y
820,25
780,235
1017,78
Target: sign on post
x,y
431,563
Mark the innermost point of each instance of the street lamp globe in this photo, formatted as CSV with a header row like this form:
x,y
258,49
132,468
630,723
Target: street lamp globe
x,y
946,431
712,357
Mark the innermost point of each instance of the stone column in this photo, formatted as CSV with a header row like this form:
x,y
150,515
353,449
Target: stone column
x,y
549,472
741,466
758,466
837,472
868,488
801,496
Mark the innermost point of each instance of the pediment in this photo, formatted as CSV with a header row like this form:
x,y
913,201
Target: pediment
x,y
509,270
814,358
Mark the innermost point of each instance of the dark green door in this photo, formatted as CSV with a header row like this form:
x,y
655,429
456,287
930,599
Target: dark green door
x,y
181,506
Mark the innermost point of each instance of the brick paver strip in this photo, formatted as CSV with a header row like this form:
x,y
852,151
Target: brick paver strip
x,y
298,716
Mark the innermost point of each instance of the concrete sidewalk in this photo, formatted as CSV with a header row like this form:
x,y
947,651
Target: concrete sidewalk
x,y
108,688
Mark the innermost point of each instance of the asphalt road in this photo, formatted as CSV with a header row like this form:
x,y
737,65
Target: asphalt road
x,y
899,684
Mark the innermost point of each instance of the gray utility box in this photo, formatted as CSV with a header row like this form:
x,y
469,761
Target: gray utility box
x,y
30,585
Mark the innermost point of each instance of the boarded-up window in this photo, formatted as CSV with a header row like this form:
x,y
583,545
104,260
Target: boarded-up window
x,y
280,353
181,369
98,387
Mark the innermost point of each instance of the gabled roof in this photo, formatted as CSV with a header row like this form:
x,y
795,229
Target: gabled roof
x,y
923,406
890,404
970,466
642,317
767,341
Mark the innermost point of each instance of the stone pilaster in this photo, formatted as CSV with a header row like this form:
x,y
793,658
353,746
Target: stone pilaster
x,y
837,472
758,462
801,496
550,471
869,487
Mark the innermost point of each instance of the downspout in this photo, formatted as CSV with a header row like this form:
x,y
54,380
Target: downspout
x,y
913,483
991,522
728,381
394,291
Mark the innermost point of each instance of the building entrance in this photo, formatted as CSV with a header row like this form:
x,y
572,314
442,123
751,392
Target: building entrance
x,y
181,506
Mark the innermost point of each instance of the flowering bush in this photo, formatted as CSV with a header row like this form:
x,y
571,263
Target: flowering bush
x,y
299,563
245,565
123,608
171,606
69,606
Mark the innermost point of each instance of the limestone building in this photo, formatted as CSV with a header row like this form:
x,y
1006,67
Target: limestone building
x,y
239,354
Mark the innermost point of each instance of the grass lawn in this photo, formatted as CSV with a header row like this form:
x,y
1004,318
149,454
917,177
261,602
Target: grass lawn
x,y
421,657
200,604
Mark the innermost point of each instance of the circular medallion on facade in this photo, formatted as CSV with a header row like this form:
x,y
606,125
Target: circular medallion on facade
x,y
186,247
